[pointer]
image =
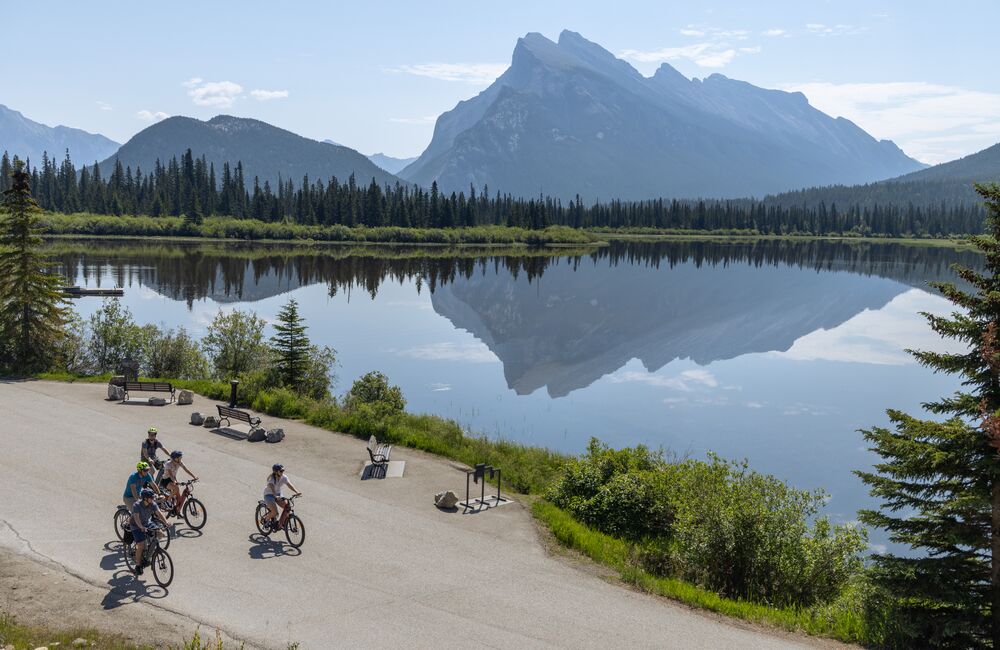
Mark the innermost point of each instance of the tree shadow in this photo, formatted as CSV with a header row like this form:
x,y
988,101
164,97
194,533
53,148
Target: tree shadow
x,y
265,548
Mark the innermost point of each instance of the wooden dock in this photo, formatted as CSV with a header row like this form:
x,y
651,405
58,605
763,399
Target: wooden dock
x,y
80,292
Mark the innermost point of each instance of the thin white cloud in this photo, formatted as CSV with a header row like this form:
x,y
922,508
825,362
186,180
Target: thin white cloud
x,y
440,388
877,337
266,95
152,116
716,49
468,352
931,122
426,119
470,73
686,381
104,106
834,30
217,94
774,32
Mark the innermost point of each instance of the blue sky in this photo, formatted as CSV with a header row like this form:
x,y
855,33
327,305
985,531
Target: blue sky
x,y
374,75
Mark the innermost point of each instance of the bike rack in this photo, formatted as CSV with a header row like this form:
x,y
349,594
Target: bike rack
x,y
478,474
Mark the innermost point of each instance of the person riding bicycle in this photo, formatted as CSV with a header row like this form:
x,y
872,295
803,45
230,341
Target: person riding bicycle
x,y
137,481
169,479
144,512
272,495
148,451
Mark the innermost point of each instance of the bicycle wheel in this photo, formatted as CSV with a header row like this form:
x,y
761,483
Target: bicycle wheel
x,y
121,518
166,537
129,551
194,513
163,568
295,531
259,518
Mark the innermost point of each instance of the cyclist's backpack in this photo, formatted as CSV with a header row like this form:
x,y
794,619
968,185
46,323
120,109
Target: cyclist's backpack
x,y
128,538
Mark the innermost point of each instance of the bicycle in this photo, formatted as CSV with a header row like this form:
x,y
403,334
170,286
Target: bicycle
x,y
123,527
153,555
192,509
294,529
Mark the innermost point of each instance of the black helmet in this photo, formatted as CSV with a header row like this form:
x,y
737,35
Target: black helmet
x,y
177,453
277,467
146,493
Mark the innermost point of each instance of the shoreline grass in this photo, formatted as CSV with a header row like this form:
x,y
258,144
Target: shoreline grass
x,y
131,227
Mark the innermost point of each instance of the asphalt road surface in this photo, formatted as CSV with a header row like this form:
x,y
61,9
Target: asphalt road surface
x,y
380,567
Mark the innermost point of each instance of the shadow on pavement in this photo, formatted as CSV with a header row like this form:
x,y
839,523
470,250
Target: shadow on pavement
x,y
126,588
265,548
233,434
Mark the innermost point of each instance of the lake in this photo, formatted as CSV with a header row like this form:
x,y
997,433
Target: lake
x,y
773,351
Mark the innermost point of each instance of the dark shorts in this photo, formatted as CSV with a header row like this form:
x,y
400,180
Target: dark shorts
x,y
137,534
166,481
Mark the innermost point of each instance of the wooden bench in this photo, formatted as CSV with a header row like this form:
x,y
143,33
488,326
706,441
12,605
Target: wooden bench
x,y
148,387
378,452
228,414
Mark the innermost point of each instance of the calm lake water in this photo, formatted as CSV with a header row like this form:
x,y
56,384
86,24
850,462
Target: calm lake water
x,y
773,351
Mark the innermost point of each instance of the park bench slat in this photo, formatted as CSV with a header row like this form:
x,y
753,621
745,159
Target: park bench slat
x,y
229,414
148,387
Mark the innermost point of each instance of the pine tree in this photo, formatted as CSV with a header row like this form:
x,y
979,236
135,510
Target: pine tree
x,y
33,311
940,481
291,345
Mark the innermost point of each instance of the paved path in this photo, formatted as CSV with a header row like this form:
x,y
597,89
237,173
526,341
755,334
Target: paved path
x,y
381,567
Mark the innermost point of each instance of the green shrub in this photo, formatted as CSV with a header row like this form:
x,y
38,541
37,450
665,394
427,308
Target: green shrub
x,y
375,397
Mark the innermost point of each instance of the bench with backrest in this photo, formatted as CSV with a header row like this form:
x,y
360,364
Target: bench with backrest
x,y
378,452
229,414
148,387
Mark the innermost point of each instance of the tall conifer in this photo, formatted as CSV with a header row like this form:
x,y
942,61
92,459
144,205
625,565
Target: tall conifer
x,y
33,310
291,345
939,481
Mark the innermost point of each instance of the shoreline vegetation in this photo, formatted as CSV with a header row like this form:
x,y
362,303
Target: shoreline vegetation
x,y
228,229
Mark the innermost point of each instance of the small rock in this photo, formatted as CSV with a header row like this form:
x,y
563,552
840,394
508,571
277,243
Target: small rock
x,y
445,500
116,393
42,647
257,435
185,397
211,422
157,401
80,642
197,419
275,435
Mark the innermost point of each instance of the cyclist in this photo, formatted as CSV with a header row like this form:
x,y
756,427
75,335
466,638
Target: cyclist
x,y
138,480
272,495
144,512
149,448
169,479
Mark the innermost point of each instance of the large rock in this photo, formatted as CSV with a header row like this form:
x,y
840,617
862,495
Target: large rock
x,y
445,500
211,422
115,392
197,419
275,435
257,435
185,397
157,401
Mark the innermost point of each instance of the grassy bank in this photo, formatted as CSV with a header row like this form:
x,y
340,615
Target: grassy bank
x,y
83,224
841,620
228,228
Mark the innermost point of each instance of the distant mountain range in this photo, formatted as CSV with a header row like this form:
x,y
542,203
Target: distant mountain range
x,y
28,139
390,164
266,151
569,117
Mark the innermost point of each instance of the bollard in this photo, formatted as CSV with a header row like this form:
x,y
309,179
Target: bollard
x,y
233,383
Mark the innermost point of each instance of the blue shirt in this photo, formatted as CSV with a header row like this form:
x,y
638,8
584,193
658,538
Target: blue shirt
x,y
138,481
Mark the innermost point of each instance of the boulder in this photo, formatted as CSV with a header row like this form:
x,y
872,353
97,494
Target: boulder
x,y
80,642
185,397
157,401
211,422
197,419
257,435
275,435
115,392
445,500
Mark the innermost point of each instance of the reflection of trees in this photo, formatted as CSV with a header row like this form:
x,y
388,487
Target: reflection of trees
x,y
248,272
